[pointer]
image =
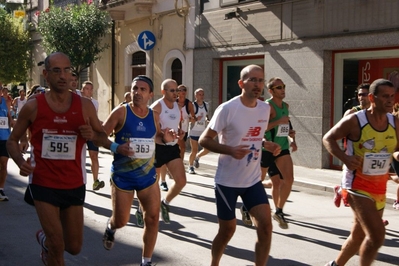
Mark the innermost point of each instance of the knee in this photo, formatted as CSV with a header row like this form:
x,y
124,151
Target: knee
x,y
151,219
376,239
73,248
180,182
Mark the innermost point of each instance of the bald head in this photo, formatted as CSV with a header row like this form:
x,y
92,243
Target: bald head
x,y
246,70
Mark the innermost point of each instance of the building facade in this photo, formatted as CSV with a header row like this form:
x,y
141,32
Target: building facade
x,y
321,49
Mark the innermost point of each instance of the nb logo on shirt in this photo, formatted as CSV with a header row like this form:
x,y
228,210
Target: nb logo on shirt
x,y
253,132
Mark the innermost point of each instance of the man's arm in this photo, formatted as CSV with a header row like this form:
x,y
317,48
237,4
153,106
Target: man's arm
x,y
25,118
207,140
346,127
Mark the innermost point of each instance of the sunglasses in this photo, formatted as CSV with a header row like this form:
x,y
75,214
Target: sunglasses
x,y
364,94
173,90
184,89
279,87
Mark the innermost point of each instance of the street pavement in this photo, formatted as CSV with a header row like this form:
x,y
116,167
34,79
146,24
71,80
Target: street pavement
x,y
316,231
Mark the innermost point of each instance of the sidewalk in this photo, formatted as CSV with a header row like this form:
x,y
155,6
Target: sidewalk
x,y
320,179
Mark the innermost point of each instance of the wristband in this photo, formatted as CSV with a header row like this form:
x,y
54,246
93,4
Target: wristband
x,y
113,147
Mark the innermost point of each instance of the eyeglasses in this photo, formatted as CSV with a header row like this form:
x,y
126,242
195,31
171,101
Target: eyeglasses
x,y
279,87
57,70
364,94
254,80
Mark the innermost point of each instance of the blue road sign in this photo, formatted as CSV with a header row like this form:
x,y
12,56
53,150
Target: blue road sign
x,y
146,40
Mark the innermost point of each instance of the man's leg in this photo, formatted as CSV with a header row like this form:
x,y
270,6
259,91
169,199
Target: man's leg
x,y
262,220
121,204
276,189
3,170
193,154
182,146
176,168
222,238
72,226
368,232
286,168
95,166
49,216
150,199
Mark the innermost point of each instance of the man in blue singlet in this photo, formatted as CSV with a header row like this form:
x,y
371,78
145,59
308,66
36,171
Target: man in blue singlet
x,y
138,125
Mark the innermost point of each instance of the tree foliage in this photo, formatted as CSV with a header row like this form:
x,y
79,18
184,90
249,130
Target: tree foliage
x,y
15,47
76,30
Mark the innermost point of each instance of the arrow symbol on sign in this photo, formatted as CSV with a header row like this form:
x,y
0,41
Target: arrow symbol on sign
x,y
147,41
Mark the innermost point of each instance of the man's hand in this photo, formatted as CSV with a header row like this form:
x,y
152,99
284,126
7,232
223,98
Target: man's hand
x,y
125,149
272,147
293,146
86,130
25,168
353,162
239,152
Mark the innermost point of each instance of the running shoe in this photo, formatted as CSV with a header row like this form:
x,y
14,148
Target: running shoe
x,y
98,184
3,196
40,237
109,237
165,212
337,196
196,162
164,186
246,218
147,264
279,217
139,219
191,170
395,204
331,263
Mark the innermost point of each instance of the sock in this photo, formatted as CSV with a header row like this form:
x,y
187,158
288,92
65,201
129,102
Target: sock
x,y
279,210
165,201
109,228
191,166
144,260
333,263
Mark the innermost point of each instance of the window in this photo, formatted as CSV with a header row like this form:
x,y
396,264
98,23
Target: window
x,y
177,69
138,64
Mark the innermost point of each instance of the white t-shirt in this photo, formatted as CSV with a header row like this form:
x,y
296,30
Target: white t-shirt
x,y
199,126
236,125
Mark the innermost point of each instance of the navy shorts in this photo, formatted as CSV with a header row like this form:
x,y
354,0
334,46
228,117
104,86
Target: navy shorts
x,y
62,198
226,199
3,149
165,154
129,184
91,146
196,138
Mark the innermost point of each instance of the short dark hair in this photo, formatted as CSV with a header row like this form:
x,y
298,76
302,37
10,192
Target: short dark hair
x,y
146,80
365,86
374,87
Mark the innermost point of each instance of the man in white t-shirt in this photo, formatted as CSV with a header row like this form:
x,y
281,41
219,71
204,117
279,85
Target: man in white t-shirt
x,y
87,91
169,153
19,102
239,125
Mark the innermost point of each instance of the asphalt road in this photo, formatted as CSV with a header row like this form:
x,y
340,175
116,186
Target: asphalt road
x,y
316,230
